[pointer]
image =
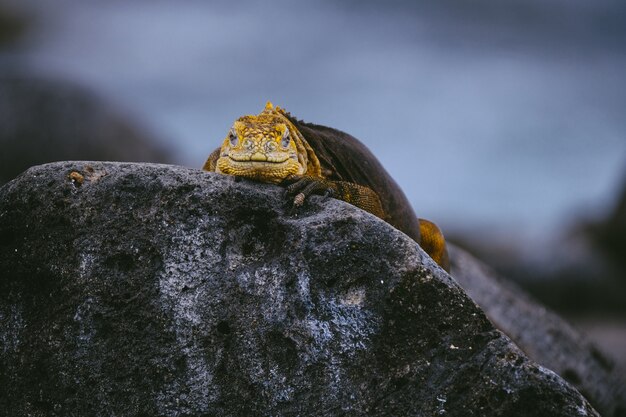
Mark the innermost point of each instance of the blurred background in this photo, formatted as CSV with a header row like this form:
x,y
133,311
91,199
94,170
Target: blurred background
x,y
503,120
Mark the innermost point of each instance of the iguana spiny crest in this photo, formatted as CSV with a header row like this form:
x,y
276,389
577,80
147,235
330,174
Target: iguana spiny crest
x,y
266,147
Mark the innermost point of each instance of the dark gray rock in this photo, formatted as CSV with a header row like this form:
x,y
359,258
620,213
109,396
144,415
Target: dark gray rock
x,y
12,24
135,289
44,120
542,335
609,235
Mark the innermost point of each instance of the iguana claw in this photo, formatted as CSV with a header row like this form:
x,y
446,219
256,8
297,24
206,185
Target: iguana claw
x,y
299,199
303,187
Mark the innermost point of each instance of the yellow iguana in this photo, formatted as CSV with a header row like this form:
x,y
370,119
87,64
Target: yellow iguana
x,y
310,159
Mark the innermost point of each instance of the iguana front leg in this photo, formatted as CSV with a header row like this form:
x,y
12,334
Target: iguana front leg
x,y
301,187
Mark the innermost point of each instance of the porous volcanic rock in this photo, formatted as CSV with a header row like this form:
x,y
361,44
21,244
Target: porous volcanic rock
x,y
543,335
137,289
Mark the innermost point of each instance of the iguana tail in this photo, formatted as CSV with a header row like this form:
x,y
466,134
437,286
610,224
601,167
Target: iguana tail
x,y
434,244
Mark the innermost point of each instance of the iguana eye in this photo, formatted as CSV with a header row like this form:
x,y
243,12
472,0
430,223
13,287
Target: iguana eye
x,y
284,142
233,138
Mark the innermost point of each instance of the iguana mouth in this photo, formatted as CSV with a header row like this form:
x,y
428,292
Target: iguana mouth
x,y
249,162
250,159
267,171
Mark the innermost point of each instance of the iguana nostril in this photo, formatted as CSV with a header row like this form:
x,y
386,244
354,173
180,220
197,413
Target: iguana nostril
x,y
258,156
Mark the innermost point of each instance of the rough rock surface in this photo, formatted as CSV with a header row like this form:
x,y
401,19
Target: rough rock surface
x,y
136,290
44,120
542,335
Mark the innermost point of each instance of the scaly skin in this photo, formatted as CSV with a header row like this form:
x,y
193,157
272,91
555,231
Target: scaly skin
x,y
273,147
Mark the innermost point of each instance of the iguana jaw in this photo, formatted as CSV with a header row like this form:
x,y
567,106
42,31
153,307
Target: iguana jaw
x,y
259,157
264,171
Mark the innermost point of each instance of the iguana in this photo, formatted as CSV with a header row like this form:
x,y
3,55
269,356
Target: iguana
x,y
274,147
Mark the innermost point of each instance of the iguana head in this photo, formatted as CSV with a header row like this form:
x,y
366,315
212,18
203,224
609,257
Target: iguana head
x,y
266,147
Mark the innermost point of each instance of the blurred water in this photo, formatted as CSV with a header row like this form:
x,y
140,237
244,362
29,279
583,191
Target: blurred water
x,y
503,113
